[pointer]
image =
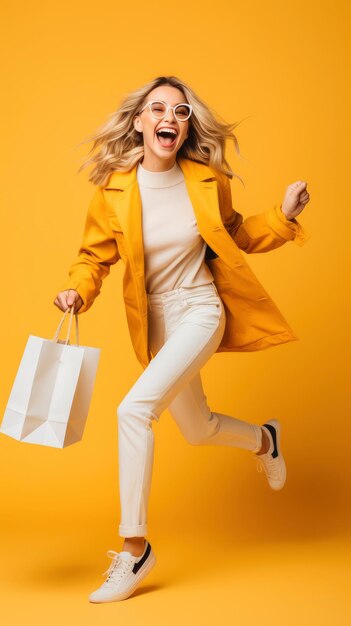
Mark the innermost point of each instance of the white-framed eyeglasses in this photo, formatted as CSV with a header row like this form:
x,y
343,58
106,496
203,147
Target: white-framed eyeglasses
x,y
159,110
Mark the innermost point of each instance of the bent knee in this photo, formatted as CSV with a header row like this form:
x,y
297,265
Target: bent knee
x,y
130,411
125,410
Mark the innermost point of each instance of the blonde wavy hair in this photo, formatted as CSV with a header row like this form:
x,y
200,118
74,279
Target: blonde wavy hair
x,y
120,146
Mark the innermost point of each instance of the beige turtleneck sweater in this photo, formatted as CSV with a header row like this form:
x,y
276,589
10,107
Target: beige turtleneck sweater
x,y
174,250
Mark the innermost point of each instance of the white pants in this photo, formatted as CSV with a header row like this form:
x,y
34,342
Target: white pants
x,y
186,326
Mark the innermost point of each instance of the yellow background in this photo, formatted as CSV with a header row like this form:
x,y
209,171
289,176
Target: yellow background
x,y
228,547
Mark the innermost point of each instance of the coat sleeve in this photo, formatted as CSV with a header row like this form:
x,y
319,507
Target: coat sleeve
x,y
261,232
98,251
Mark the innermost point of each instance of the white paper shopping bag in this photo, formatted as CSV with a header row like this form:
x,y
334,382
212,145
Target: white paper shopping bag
x,y
51,394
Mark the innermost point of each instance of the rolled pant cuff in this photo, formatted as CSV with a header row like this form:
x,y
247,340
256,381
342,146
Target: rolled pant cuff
x,y
132,531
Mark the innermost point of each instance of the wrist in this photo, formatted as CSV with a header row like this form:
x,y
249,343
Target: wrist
x,y
290,219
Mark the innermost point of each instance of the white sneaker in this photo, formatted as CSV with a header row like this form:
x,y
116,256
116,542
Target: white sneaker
x,y
272,461
124,574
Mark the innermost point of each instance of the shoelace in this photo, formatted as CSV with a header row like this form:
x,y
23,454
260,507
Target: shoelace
x,y
272,466
118,567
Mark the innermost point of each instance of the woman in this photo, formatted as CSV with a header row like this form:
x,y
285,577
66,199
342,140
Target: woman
x,y
163,206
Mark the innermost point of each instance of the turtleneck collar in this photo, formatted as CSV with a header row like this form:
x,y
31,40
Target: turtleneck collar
x,y
157,180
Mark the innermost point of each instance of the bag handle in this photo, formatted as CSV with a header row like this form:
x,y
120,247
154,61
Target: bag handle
x,y
70,310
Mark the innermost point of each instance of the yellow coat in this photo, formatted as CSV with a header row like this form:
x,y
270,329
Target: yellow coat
x,y
113,231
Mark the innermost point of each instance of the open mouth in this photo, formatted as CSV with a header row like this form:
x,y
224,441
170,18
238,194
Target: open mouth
x,y
167,138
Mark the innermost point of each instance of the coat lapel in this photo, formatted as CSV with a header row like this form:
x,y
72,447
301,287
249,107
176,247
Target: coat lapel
x,y
202,189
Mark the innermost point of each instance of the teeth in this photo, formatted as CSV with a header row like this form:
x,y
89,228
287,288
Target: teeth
x,y
170,130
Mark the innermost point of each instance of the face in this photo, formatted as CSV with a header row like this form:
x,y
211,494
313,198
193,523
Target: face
x,y
161,156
